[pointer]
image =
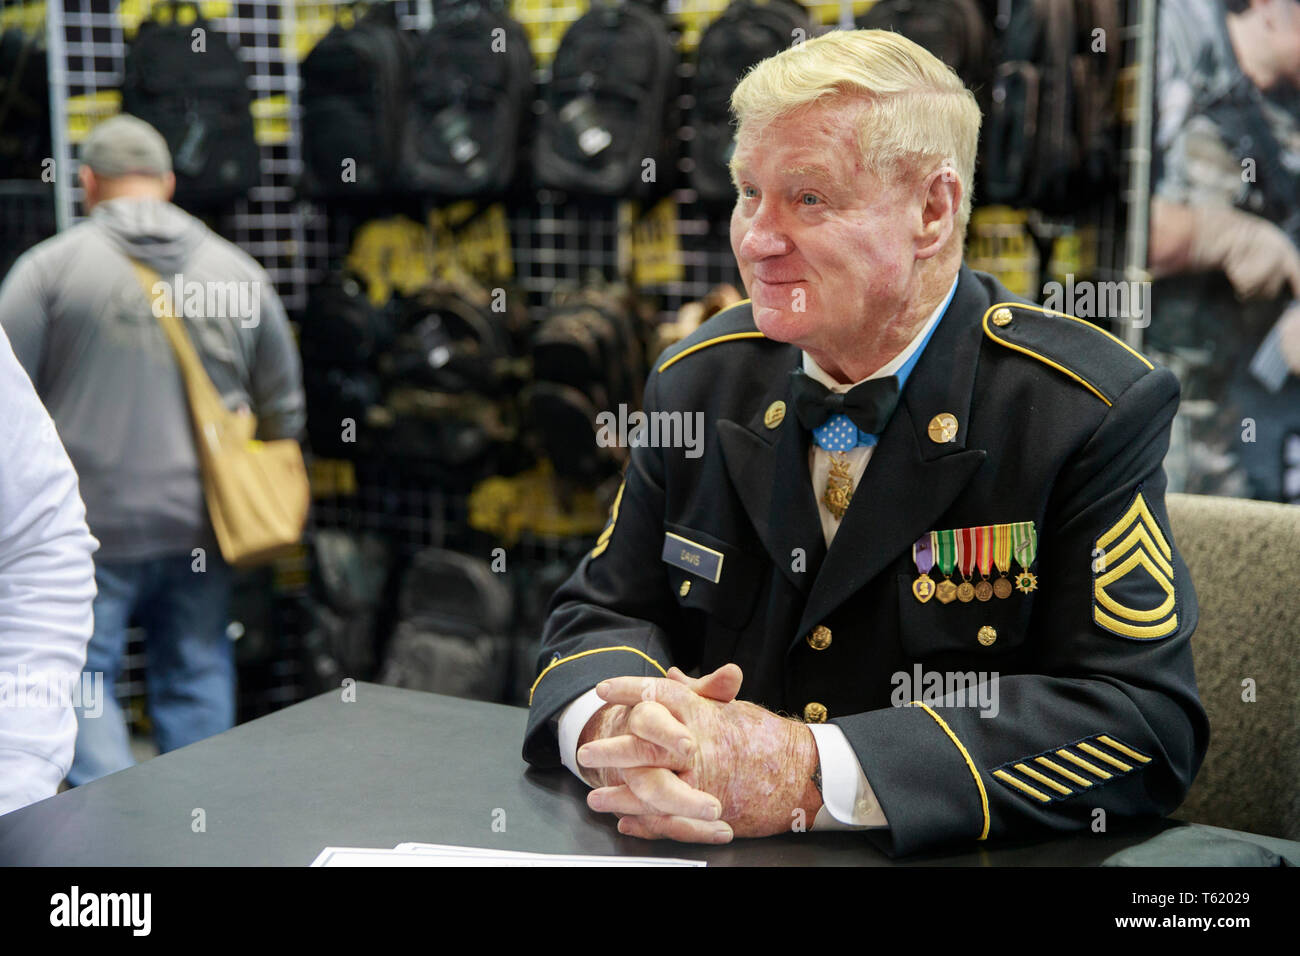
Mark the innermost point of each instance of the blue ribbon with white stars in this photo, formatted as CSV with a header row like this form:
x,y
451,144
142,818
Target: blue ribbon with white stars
x,y
839,433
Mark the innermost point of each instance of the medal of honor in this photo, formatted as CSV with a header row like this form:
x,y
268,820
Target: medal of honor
x,y
1002,560
923,556
1024,544
945,551
966,564
839,486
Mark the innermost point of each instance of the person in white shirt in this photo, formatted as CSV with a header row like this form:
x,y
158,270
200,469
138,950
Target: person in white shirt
x,y
47,589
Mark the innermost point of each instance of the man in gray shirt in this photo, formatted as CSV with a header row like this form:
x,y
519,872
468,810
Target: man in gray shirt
x,y
84,328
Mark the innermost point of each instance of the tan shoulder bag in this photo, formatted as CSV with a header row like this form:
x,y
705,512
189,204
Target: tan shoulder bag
x,y
257,492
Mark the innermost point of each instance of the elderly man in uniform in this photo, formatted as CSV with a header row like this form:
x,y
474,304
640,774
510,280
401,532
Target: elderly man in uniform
x,y
928,521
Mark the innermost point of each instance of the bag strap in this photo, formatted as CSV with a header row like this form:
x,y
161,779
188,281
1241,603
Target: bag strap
x,y
198,385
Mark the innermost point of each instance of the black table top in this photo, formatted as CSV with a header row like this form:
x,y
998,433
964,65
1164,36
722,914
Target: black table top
x,y
398,766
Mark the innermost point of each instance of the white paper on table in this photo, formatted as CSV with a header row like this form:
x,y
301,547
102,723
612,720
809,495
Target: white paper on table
x,y
443,848
435,854
365,856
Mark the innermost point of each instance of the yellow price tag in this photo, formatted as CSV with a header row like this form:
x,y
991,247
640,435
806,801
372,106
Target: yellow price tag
x,y
545,22
332,478
271,119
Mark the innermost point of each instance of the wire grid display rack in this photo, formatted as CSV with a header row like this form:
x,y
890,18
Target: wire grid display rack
x,y
553,242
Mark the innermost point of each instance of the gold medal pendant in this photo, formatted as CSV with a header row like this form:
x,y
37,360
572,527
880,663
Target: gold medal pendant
x,y
923,588
965,592
983,590
839,486
1002,588
946,591
1026,582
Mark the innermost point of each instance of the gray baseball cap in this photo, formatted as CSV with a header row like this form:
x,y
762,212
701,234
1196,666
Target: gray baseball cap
x,y
126,145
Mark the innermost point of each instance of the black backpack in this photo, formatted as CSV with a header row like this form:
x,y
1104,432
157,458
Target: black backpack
x,y
587,359
1049,135
339,618
953,30
448,343
610,105
24,105
342,337
470,103
354,90
199,102
343,328
452,635
744,34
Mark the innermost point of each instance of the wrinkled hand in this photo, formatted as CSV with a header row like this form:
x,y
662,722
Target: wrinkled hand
x,y
681,758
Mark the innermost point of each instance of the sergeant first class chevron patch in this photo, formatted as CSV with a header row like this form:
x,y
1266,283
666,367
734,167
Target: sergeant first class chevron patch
x,y
1133,590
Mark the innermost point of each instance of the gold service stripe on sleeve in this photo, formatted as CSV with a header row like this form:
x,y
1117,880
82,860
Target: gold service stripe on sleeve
x,y
1132,754
597,650
1056,768
970,764
1020,785
1080,762
1102,755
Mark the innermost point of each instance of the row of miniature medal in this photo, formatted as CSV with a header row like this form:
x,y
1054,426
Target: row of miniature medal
x,y
969,549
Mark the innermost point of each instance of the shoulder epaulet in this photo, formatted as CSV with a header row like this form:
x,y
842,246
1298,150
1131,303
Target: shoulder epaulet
x,y
1090,355
733,324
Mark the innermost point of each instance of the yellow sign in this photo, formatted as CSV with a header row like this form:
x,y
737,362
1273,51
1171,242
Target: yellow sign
x,y
87,111
393,254
473,238
656,250
998,242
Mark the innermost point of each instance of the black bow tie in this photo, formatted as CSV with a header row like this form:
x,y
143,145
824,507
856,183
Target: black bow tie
x,y
868,404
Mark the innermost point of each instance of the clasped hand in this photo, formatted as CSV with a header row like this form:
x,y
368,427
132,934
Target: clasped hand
x,y
681,758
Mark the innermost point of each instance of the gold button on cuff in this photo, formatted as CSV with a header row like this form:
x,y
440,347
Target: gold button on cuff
x,y
987,635
774,415
943,428
820,638
685,589
814,713
1002,317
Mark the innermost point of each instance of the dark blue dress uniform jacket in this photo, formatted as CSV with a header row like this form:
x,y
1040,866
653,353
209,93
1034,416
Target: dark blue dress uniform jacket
x,y
1058,423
